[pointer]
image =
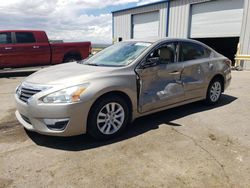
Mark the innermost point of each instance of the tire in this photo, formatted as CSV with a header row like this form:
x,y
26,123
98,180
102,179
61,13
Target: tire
x,y
108,117
71,59
214,92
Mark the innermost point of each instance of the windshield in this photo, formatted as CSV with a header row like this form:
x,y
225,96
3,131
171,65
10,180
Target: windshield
x,y
119,54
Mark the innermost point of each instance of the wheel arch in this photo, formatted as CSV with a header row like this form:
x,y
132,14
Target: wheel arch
x,y
121,94
73,53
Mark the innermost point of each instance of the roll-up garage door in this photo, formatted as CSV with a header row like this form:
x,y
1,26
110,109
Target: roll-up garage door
x,y
145,25
222,18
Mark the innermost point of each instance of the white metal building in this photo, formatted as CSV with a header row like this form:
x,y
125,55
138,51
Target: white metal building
x,y
221,24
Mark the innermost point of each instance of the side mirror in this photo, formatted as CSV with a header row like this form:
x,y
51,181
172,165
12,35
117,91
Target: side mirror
x,y
151,62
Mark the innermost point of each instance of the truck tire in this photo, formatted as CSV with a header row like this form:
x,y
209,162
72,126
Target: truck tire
x,y
72,58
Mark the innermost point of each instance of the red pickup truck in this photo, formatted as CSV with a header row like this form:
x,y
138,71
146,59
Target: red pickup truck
x,y
23,48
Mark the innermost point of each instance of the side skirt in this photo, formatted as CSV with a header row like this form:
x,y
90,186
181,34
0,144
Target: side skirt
x,y
137,115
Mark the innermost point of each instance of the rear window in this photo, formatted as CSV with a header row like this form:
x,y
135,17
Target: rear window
x,y
5,38
25,37
192,51
208,52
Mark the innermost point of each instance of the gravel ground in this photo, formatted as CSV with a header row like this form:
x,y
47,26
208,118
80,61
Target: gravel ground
x,y
188,146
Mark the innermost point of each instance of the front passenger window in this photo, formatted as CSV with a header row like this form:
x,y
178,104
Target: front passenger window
x,y
165,53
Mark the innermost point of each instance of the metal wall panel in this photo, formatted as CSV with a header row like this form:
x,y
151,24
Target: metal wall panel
x,y
179,17
122,20
245,34
122,26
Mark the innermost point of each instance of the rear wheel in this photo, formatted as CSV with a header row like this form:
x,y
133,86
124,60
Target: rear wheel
x,y
108,117
214,91
71,59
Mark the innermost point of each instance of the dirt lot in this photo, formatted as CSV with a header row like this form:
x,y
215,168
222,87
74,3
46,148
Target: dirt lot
x,y
189,146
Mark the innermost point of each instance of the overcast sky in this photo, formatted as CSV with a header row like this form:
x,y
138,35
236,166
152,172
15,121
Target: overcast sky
x,y
70,20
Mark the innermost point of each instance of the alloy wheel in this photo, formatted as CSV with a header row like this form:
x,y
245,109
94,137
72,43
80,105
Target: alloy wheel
x,y
110,118
215,91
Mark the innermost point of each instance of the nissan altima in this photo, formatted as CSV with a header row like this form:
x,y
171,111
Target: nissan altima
x,y
127,80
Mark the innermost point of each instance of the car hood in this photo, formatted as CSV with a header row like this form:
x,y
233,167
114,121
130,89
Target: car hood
x,y
67,73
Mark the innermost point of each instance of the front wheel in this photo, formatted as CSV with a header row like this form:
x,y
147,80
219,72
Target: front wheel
x,y
108,117
214,92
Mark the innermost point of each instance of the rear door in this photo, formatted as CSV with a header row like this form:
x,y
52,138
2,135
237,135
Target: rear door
x,y
195,59
161,85
29,52
7,55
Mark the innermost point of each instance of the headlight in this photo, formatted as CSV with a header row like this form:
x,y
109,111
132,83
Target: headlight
x,y
68,95
18,90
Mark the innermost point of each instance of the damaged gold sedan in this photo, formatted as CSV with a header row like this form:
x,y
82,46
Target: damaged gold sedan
x,y
127,80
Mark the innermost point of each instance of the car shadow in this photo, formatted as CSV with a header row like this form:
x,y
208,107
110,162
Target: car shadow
x,y
138,127
15,74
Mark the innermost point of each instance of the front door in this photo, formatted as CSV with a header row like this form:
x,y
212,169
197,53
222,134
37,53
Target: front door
x,y
161,84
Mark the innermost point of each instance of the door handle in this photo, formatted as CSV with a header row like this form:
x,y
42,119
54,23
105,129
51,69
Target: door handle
x,y
175,73
35,47
8,48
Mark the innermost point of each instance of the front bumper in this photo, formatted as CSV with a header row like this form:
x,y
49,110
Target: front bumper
x,y
32,115
228,78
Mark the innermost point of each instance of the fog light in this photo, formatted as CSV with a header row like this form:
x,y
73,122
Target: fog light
x,y
56,124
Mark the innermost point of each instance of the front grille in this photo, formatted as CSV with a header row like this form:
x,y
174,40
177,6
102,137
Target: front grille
x,y
25,93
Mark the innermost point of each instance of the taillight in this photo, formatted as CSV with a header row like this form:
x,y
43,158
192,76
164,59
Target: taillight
x,y
228,62
90,49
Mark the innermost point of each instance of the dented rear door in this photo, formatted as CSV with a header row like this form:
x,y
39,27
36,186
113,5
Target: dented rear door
x,y
195,59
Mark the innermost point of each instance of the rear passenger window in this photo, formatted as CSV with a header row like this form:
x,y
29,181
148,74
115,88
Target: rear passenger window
x,y
192,51
25,37
207,52
5,38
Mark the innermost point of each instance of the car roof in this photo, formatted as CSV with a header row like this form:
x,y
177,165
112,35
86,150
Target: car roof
x,y
150,39
166,39
159,39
